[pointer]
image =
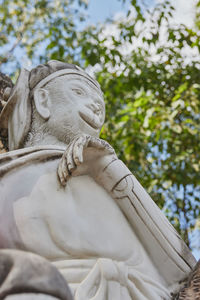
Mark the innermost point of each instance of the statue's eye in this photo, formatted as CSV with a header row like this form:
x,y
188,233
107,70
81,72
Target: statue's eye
x,y
78,91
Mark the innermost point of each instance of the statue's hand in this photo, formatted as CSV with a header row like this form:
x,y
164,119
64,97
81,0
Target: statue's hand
x,y
73,156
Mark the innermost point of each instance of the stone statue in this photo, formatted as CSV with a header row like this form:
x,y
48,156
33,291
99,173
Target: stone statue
x,y
67,197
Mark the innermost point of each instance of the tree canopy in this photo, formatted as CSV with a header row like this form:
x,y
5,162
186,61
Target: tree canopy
x,y
148,68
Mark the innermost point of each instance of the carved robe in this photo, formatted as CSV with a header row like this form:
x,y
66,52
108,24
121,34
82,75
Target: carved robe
x,y
106,236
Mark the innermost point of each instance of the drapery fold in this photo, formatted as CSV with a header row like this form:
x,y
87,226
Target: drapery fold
x,y
106,279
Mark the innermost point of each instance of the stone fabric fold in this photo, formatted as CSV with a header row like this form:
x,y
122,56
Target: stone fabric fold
x,y
105,278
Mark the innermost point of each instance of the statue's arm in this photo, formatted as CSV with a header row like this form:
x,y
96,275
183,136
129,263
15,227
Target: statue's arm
x,y
162,242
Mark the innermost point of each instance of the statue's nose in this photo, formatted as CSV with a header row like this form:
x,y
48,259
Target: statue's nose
x,y
95,107
97,99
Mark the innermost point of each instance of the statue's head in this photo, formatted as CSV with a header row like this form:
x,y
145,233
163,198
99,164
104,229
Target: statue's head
x,y
55,100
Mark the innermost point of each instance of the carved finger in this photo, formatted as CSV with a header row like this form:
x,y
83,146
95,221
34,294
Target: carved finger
x,y
69,158
80,143
60,174
78,151
62,171
66,173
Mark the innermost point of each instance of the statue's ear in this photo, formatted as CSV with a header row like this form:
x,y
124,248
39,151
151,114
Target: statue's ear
x,y
42,102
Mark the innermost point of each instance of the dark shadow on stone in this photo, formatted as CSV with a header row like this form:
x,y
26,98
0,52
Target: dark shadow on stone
x,y
25,272
191,286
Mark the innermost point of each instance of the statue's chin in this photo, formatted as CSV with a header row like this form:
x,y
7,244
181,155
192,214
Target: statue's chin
x,y
91,119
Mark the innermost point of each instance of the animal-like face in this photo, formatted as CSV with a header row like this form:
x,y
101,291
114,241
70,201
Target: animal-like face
x,y
77,107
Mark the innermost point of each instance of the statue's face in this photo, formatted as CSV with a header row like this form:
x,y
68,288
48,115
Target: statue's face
x,y
77,108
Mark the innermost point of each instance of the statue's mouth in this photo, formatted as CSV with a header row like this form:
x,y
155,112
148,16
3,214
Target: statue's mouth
x,y
93,118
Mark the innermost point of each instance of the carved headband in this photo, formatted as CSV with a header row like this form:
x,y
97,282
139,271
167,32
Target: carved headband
x,y
63,72
15,118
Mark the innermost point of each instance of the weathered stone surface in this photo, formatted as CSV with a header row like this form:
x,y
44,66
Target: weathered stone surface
x,y
191,288
5,87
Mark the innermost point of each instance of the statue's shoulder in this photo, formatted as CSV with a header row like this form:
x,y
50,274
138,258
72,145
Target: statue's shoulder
x,y
20,170
17,159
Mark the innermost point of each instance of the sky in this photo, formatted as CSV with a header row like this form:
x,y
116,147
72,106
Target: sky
x,y
99,10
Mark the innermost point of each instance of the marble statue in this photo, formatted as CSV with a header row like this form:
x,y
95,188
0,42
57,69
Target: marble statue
x,y
65,195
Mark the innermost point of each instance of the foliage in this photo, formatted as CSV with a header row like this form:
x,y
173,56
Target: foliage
x,y
41,29
148,68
